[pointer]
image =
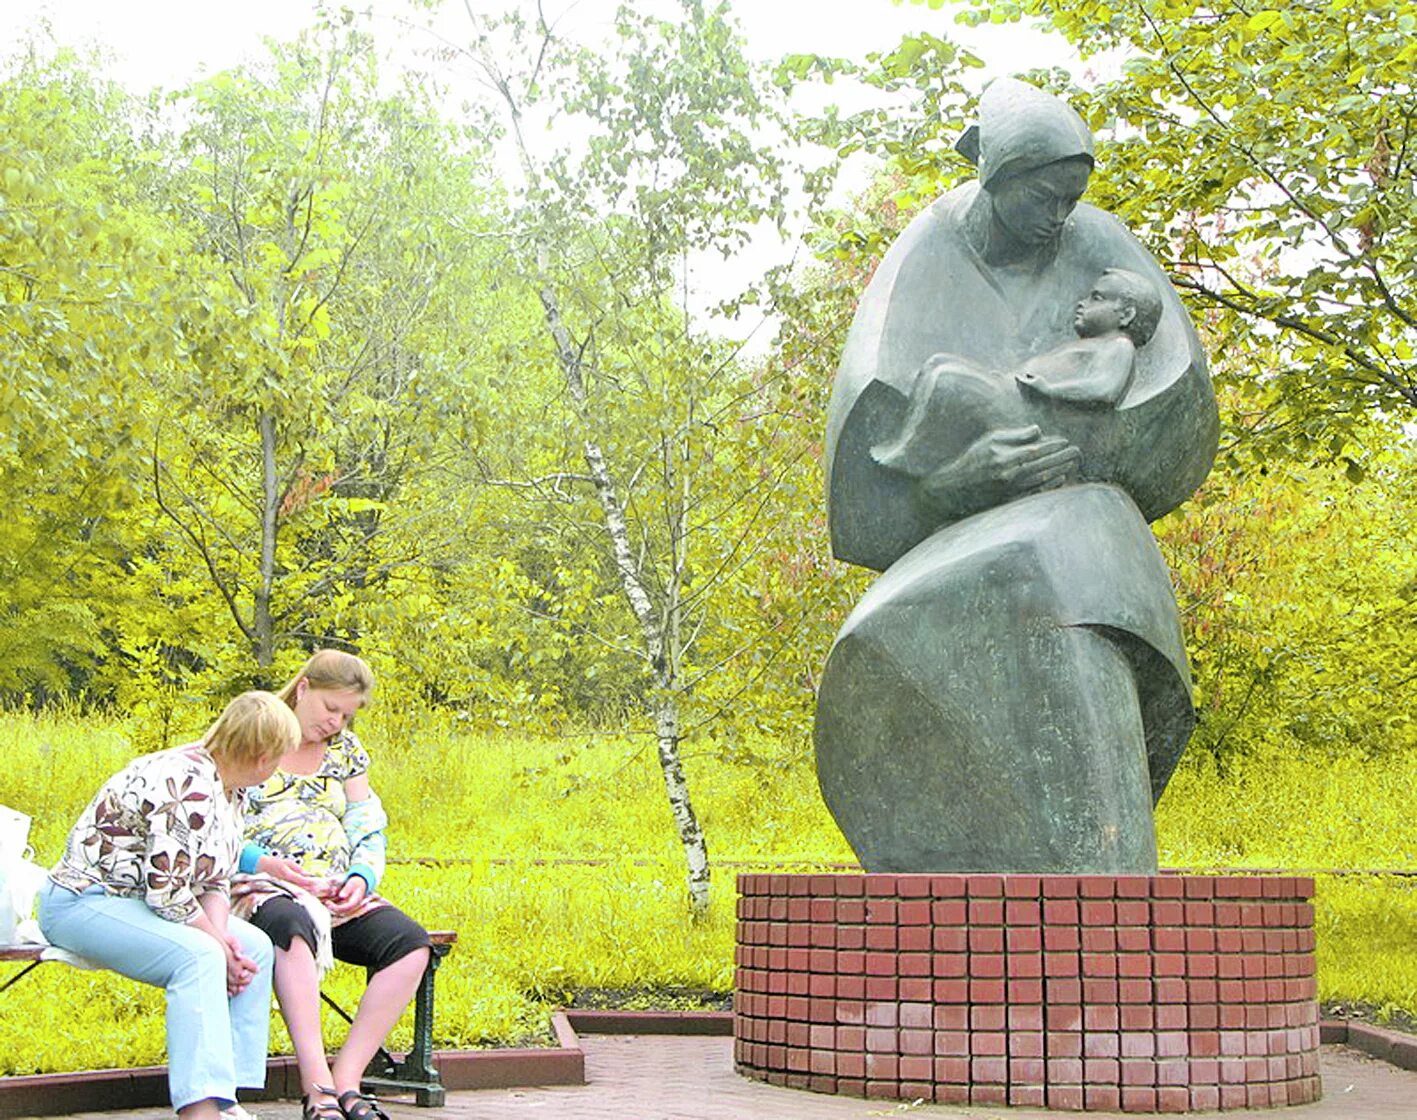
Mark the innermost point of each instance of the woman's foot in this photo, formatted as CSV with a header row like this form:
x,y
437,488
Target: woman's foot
x,y
356,1106
321,1104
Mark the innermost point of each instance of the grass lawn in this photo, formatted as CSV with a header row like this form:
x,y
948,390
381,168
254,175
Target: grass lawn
x,y
556,862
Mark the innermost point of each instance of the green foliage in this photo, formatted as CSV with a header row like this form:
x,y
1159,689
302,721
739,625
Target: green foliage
x,y
658,543
1264,154
919,98
324,390
290,301
313,398
248,329
1270,809
1366,949
1297,589
82,311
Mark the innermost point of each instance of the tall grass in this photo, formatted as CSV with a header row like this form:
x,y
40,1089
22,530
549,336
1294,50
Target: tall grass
x,y
500,814
1342,811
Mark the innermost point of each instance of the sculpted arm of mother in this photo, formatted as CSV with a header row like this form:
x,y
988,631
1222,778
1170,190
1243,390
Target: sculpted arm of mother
x,y
1002,464
1013,223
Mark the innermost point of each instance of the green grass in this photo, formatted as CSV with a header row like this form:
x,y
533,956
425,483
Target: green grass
x,y
500,811
1341,812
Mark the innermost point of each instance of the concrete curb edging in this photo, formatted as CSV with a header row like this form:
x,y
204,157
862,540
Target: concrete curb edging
x,y
508,1069
1392,1047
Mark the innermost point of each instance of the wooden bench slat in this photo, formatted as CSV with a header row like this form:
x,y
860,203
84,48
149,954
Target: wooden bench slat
x,y
32,952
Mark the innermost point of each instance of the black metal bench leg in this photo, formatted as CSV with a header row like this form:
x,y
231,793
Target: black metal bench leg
x,y
20,975
416,1072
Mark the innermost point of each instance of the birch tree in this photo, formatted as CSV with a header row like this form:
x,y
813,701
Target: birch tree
x,y
678,150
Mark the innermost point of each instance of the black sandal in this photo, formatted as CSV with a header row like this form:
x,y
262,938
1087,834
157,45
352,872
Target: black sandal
x,y
327,1109
359,1106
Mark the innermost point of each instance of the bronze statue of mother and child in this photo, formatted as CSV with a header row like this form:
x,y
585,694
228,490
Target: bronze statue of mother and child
x,y
1020,394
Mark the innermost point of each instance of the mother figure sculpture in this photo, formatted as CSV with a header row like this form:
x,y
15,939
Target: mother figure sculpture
x,y
1012,694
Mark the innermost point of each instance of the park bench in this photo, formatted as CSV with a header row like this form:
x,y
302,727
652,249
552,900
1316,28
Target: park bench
x,y
414,1073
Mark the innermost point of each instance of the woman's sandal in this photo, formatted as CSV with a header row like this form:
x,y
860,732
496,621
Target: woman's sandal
x,y
326,1108
356,1106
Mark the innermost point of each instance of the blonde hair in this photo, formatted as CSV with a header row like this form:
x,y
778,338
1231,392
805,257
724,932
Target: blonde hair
x,y
331,669
252,727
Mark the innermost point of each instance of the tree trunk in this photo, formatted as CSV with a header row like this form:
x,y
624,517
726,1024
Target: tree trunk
x,y
664,664
665,705
666,726
262,625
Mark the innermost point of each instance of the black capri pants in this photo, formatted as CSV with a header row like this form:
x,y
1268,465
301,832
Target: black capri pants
x,y
375,939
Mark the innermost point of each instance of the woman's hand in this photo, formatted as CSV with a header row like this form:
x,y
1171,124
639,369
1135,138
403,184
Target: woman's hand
x,y
349,896
213,910
287,870
997,467
240,969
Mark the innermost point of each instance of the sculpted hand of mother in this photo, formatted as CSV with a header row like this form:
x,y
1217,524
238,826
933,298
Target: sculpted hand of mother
x,y
997,467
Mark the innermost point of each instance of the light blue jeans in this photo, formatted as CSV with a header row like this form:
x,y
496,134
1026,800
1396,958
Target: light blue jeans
x,y
215,1043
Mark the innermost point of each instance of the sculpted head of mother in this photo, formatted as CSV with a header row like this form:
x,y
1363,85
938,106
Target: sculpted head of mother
x,y
1034,155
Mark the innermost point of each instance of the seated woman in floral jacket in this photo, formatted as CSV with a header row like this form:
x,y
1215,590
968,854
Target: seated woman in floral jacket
x,y
143,889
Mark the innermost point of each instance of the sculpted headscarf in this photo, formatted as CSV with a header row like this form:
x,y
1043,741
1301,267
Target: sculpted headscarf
x,y
1021,128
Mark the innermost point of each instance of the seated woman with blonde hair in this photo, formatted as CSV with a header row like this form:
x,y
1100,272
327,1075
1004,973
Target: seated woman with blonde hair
x,y
315,853
142,889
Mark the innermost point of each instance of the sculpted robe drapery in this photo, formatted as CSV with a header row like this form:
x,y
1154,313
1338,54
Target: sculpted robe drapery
x,y
934,294
1013,693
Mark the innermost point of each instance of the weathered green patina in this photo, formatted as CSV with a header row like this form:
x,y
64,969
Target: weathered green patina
x,y
1012,695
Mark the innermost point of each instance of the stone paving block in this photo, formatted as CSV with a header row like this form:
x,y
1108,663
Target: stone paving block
x,y
691,1078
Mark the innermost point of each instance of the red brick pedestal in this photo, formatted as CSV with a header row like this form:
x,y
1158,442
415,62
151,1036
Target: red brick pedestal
x,y
1146,994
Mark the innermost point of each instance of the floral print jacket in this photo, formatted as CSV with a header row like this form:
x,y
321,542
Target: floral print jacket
x,y
307,818
161,830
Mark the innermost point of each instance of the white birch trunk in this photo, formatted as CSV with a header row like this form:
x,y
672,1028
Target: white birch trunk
x,y
664,663
665,704
261,623
676,786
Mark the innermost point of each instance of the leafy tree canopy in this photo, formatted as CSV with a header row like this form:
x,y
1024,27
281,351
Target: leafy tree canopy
x,y
1266,157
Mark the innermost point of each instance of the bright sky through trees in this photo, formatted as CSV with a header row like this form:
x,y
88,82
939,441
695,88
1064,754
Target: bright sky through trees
x,y
166,42
169,43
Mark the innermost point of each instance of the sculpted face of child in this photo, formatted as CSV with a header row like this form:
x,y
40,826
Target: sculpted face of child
x,y
1107,308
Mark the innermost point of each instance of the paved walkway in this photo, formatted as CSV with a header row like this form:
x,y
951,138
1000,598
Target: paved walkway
x,y
668,1078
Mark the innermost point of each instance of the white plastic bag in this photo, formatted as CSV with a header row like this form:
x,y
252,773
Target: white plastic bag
x,y
17,885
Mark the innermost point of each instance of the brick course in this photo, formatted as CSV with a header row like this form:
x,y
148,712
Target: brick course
x,y
1166,993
